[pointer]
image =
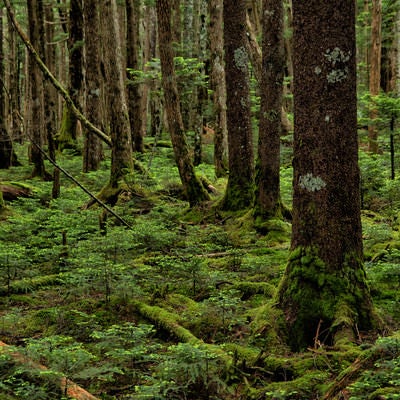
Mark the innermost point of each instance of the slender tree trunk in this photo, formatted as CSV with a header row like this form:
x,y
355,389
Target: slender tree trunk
x,y
192,186
6,148
133,62
218,86
36,123
324,287
69,126
375,72
268,202
239,193
92,153
115,76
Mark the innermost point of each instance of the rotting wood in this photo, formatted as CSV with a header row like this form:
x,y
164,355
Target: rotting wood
x,y
67,386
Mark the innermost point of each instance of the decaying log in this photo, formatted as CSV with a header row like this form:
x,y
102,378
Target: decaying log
x,y
68,387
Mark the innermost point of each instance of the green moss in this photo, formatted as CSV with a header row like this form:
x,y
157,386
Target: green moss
x,y
319,302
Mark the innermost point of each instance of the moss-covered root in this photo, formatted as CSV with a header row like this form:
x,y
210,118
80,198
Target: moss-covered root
x,y
385,349
323,303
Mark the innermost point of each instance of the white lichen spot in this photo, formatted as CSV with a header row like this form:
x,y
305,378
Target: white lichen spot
x,y
241,58
269,13
327,119
337,75
317,70
337,56
311,183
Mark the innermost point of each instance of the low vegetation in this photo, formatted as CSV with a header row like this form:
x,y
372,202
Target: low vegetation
x,y
180,305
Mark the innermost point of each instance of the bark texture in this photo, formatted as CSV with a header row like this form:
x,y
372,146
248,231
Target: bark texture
x,y
324,283
240,188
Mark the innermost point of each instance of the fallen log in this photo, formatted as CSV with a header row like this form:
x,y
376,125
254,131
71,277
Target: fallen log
x,y
68,387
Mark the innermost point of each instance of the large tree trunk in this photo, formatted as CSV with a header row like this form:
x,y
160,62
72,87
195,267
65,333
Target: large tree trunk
x,y
324,287
240,188
217,82
375,72
92,153
268,202
192,186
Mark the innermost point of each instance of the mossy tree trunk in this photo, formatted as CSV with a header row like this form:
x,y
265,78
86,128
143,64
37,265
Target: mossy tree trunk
x,y
239,193
217,82
324,287
267,201
192,186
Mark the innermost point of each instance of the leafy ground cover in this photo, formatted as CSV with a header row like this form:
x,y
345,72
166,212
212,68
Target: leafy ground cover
x,y
180,306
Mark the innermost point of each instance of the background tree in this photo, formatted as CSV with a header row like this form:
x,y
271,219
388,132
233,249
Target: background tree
x,y
69,126
192,186
267,202
324,287
240,188
35,111
136,116
92,152
375,71
218,86
115,76
6,148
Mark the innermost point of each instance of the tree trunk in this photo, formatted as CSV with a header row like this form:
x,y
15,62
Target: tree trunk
x,y
218,86
133,61
69,126
36,122
6,148
375,72
92,152
192,186
115,76
239,193
324,287
267,202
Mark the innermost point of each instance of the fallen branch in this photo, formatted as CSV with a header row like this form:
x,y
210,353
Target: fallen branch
x,y
95,199
66,386
48,75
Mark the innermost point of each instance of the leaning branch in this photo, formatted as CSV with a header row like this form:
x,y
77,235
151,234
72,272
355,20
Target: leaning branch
x,y
59,87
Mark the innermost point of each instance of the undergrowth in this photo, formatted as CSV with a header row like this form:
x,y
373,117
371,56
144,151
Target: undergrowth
x,y
181,305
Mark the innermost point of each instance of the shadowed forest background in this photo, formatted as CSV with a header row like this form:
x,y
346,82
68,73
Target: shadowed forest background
x,y
180,218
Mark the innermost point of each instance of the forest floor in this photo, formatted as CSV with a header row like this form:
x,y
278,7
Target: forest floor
x,y
180,305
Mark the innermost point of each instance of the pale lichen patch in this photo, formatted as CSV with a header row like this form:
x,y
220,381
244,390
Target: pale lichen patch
x,y
311,183
241,58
